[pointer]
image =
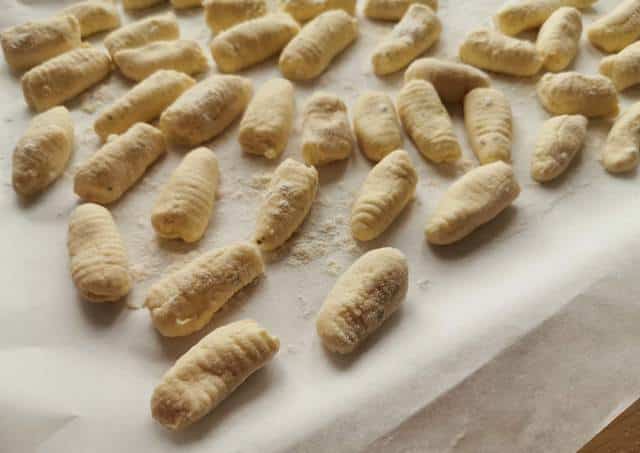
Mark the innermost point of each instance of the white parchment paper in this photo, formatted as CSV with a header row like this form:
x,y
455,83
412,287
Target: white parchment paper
x,y
520,338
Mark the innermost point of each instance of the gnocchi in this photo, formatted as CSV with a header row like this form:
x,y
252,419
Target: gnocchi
x,y
326,132
493,51
418,30
309,54
363,298
205,110
223,14
473,200
388,188
304,10
561,139
184,4
393,9
427,122
267,123
376,125
569,93
559,38
43,152
527,14
185,204
94,16
488,119
119,164
616,30
254,41
98,258
621,149
184,301
137,34
210,371
287,203
140,4
63,77
623,68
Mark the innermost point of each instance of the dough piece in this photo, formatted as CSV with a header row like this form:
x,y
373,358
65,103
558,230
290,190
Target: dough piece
x,y
523,15
389,187
363,298
473,200
621,150
267,123
418,30
223,14
427,122
559,38
569,93
252,42
94,16
493,51
184,4
137,34
616,30
326,132
304,10
393,9
561,139
376,125
133,5
119,164
287,202
98,259
27,45
320,41
184,301
64,77
143,103
210,371
42,153
488,119
179,55
451,80
185,204
205,110
623,68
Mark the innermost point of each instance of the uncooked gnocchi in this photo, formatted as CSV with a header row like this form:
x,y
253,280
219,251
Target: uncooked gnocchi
x,y
389,186
63,77
252,42
473,200
326,132
304,10
181,55
210,371
418,30
559,38
184,301
616,30
376,125
488,119
206,109
94,16
318,43
98,258
42,153
143,103
561,139
493,51
117,166
527,14
27,45
185,204
427,122
363,298
137,34
393,9
621,149
287,203
451,80
569,93
266,125
623,68
223,14
140,4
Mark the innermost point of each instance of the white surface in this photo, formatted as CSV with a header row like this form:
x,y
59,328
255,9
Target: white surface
x,y
77,377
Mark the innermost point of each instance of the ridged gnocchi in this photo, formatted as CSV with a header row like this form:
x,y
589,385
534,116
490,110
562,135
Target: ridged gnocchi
x,y
388,188
418,30
473,200
210,371
393,9
516,17
287,203
184,301
42,153
94,16
223,14
616,30
137,34
119,164
206,109
559,38
569,93
488,119
363,298
376,125
621,151
97,256
304,10
623,68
